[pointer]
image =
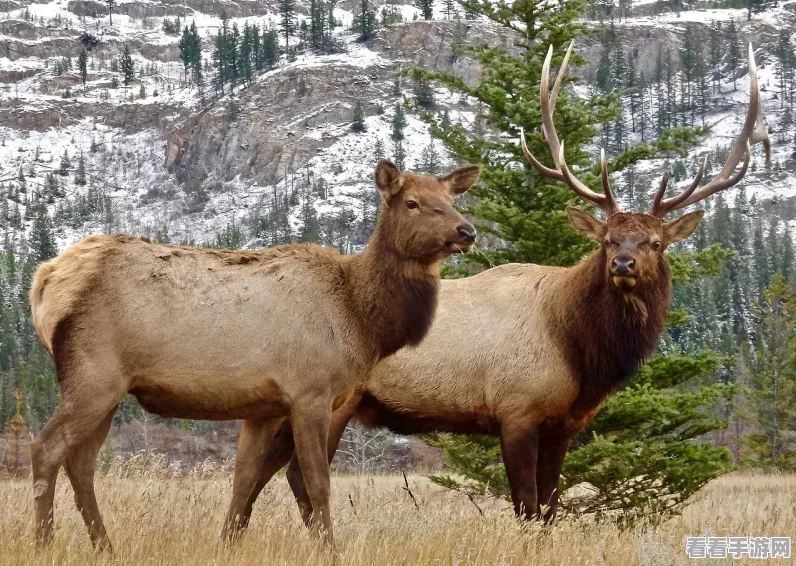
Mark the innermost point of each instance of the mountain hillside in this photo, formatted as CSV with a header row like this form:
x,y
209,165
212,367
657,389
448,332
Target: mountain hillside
x,y
166,156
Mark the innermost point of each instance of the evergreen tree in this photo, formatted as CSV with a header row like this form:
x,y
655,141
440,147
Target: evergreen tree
x,y
760,264
304,35
671,93
660,94
430,157
365,22
66,165
786,68
196,55
227,56
42,240
186,47
111,4
378,153
232,56
358,119
257,60
287,19
716,47
688,59
310,228
398,155
734,51
644,106
619,68
127,66
424,93
82,64
450,8
787,268
624,8
754,6
245,55
331,22
605,75
80,173
317,24
270,49
634,92
426,8
398,122
773,381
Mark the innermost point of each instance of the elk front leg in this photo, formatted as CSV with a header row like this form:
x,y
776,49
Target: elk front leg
x,y
520,448
552,450
253,442
295,479
310,422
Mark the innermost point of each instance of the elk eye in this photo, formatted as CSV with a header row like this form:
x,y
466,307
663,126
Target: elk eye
x,y
656,245
606,242
412,204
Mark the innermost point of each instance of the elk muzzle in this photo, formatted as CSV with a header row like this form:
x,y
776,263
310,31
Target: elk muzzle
x,y
465,236
466,232
623,271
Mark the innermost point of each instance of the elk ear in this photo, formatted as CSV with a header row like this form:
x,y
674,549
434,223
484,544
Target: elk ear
x,y
683,227
457,182
388,179
586,224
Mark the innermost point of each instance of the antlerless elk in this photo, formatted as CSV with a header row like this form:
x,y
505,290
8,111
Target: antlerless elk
x,y
263,336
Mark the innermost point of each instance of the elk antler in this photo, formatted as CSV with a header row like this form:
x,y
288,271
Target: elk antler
x,y
753,131
547,103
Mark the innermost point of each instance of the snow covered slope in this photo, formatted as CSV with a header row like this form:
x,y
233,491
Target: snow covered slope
x,y
169,160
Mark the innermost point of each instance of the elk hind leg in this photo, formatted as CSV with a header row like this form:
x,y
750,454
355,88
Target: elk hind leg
x,y
255,437
84,408
276,457
80,466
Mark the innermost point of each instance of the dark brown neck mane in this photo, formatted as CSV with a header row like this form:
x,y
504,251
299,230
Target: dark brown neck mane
x,y
395,297
607,334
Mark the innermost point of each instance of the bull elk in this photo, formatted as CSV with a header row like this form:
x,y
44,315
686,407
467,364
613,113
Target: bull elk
x,y
263,336
552,343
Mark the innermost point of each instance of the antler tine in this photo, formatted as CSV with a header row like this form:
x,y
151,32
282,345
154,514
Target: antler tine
x,y
559,79
561,172
609,196
662,207
753,131
546,171
549,133
656,202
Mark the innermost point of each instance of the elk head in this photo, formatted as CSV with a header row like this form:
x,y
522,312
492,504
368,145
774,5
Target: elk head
x,y
418,215
633,242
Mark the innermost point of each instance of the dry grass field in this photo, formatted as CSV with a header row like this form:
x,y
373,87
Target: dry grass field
x,y
158,520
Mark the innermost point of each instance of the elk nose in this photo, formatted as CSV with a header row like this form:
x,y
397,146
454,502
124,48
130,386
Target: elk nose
x,y
623,265
466,232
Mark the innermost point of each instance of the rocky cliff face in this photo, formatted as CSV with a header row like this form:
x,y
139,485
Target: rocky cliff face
x,y
283,120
